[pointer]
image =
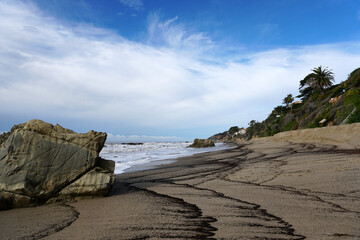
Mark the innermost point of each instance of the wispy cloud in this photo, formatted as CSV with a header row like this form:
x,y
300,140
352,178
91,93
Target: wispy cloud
x,y
269,31
175,35
86,73
133,4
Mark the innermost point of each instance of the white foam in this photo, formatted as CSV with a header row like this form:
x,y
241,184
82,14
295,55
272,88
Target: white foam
x,y
127,156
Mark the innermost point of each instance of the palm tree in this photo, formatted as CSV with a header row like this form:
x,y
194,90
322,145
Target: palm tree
x,y
317,81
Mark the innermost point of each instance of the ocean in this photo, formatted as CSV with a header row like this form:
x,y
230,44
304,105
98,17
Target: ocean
x,y
131,157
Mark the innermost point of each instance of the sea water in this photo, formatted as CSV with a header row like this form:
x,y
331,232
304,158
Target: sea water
x,y
140,156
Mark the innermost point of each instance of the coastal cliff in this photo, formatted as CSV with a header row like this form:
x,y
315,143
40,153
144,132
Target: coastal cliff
x,y
40,162
332,106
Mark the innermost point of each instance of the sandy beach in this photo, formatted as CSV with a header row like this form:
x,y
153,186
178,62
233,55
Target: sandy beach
x,y
259,190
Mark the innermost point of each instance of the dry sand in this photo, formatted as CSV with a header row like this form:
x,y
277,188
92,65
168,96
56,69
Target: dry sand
x,y
261,190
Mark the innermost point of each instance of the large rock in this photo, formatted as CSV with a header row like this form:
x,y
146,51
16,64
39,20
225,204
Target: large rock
x,y
202,143
96,182
39,161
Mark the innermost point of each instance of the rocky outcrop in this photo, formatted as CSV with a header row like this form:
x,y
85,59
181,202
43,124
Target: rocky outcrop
x,y
202,143
40,162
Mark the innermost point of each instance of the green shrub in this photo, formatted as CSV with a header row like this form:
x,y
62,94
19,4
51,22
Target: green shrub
x,y
323,96
281,109
290,125
313,124
330,114
355,117
297,106
343,112
233,130
326,112
268,131
278,120
275,131
338,91
352,97
354,78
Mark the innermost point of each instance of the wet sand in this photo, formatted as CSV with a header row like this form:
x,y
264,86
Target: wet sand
x,y
259,190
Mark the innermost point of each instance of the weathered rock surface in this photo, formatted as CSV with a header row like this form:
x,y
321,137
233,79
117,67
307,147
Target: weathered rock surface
x,y
202,143
39,161
96,182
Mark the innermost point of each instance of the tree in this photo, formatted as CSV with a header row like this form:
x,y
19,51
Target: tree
x,y
254,129
233,130
316,82
288,100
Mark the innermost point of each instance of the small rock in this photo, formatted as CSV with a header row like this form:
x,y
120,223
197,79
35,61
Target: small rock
x,y
322,121
202,143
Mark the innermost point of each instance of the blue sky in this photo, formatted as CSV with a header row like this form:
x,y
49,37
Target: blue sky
x,y
165,69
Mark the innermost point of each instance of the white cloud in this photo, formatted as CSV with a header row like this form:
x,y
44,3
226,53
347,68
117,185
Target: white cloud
x,y
175,35
133,4
91,73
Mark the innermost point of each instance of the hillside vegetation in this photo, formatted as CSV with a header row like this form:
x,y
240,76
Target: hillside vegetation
x,y
322,104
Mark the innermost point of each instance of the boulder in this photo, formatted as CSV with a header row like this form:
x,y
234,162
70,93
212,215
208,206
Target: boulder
x,y
39,161
95,182
202,143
